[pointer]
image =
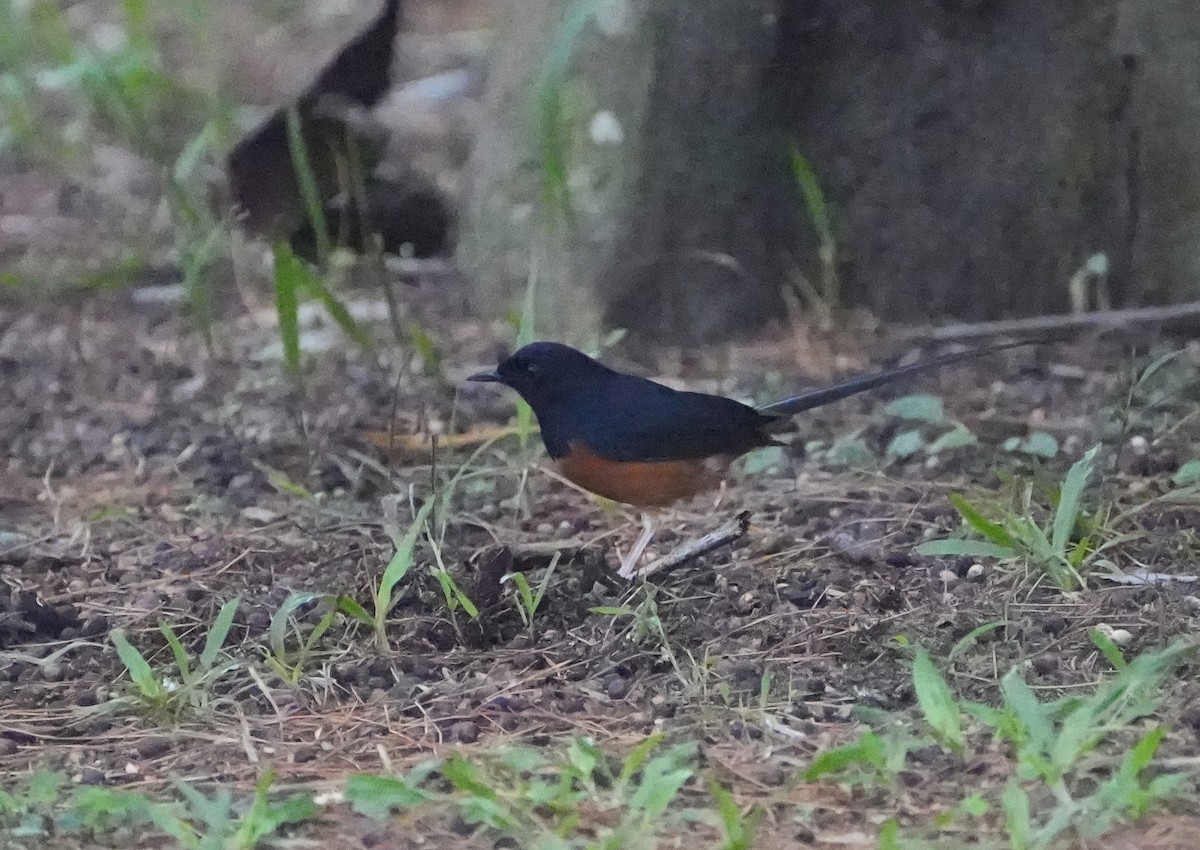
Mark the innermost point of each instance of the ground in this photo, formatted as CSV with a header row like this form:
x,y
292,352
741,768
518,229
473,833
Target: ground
x,y
192,542
149,479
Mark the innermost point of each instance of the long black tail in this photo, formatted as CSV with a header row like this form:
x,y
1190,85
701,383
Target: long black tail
x,y
854,386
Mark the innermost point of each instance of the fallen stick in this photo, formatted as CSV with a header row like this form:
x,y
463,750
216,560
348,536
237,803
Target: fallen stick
x,y
690,551
1185,315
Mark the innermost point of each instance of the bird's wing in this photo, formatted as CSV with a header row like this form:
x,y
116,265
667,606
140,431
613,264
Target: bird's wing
x,y
644,421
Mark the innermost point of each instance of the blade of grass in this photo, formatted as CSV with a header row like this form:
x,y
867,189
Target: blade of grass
x,y
217,634
993,531
937,702
288,269
135,664
302,164
1070,498
399,565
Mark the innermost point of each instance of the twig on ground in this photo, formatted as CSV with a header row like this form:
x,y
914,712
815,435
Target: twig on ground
x,y
690,551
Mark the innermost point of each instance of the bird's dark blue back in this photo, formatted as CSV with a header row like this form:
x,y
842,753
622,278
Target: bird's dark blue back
x,y
628,418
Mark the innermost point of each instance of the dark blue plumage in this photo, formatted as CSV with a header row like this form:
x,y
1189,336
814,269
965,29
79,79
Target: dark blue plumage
x,y
581,403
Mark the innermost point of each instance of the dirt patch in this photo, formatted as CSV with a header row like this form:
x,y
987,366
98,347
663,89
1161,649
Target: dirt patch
x,y
147,481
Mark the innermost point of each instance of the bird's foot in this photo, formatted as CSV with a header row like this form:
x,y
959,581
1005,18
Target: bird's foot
x,y
629,562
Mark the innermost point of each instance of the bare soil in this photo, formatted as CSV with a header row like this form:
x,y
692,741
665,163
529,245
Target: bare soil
x,y
141,483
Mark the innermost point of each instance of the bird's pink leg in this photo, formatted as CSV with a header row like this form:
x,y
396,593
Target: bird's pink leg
x,y
629,563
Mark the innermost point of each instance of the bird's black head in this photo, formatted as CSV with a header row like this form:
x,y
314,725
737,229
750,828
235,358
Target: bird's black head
x,y
543,372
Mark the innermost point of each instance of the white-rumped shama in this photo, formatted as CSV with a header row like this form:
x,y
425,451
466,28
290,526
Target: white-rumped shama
x,y
635,441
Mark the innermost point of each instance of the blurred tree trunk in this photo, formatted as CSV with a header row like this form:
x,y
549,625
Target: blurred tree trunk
x,y
973,155
694,257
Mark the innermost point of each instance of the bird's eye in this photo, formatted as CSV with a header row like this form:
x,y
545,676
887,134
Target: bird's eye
x,y
532,368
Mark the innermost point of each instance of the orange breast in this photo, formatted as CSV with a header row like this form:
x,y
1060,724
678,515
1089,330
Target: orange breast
x,y
644,484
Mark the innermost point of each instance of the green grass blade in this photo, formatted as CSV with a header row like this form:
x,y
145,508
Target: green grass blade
x,y
1109,649
636,758
277,631
181,657
309,191
993,531
525,592
1035,725
401,562
552,128
218,633
970,639
965,548
288,281
937,702
1017,819
135,664
315,286
1070,497
868,749
814,197
352,609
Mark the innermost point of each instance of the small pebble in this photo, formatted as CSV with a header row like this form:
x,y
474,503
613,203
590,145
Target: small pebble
x,y
7,746
373,839
91,776
617,687
94,626
148,748
947,577
1121,637
976,572
748,601
1045,665
465,732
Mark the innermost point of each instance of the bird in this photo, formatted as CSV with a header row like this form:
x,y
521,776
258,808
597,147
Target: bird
x,y
638,442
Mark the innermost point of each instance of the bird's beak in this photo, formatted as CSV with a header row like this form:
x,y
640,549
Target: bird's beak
x,y
486,378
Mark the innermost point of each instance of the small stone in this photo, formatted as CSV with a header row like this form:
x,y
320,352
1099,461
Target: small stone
x,y
91,776
260,516
570,705
1055,625
465,732
748,602
1121,637
976,572
94,626
304,754
1045,665
149,748
52,672
97,728
460,825
8,747
617,687
948,577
